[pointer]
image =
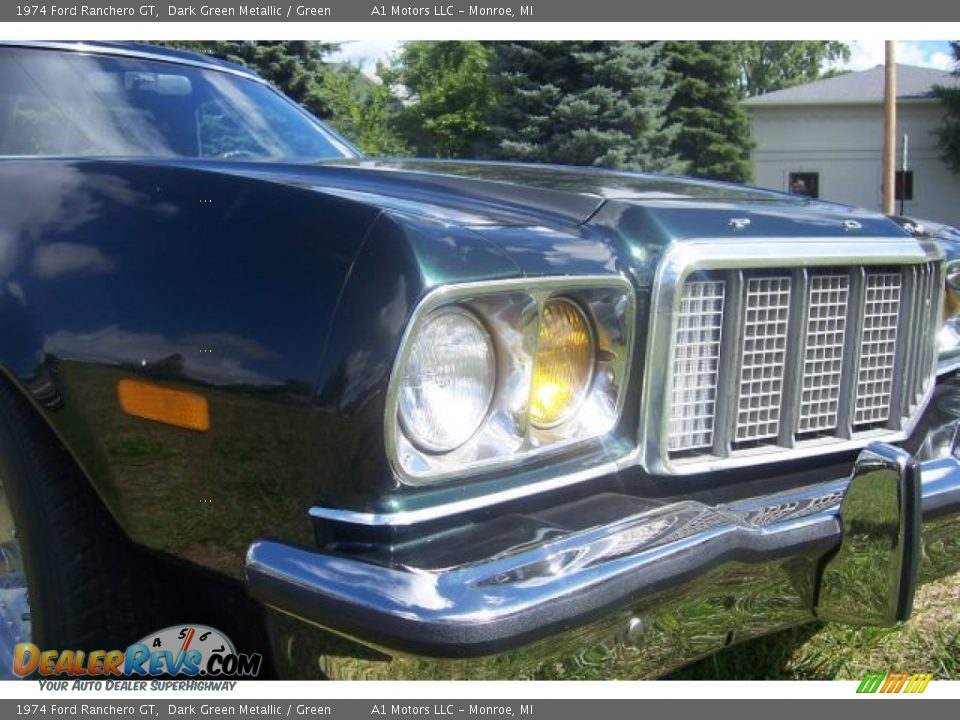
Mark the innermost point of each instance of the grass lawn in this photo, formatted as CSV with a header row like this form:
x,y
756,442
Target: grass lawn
x,y
928,642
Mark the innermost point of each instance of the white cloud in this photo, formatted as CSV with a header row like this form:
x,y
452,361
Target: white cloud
x,y
941,60
366,52
865,54
65,258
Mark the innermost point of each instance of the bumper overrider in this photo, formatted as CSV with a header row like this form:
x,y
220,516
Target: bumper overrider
x,y
660,586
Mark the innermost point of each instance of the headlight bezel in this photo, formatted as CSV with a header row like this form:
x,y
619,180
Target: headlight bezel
x,y
510,310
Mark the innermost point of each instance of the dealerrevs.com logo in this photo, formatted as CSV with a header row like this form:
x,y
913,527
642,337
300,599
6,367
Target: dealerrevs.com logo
x,y
184,650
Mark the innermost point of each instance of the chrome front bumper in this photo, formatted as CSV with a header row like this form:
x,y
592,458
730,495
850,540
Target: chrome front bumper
x,y
661,587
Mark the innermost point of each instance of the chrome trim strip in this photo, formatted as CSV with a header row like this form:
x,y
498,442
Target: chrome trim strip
x,y
402,518
683,258
83,48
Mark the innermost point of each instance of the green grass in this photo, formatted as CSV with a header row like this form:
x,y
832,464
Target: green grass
x,y
928,642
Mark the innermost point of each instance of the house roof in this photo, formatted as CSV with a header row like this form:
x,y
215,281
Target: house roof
x,y
864,87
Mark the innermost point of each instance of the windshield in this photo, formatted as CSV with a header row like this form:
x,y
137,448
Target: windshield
x,y
56,103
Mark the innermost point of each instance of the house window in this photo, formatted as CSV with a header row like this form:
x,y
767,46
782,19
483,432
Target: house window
x,y
904,185
804,183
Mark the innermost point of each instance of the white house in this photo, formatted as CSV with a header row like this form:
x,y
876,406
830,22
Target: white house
x,y
825,139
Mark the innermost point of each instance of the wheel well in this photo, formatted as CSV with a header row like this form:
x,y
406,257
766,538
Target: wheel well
x,y
209,598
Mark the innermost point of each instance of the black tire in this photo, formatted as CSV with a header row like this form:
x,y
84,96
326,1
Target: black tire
x,y
85,588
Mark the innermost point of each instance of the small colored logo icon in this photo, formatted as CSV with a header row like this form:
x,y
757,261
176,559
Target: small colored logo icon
x,y
895,682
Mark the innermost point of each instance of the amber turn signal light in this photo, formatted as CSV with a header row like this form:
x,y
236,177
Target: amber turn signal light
x,y
564,363
172,407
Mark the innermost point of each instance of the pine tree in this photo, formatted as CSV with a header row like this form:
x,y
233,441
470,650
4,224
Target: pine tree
x,y
948,134
713,129
581,103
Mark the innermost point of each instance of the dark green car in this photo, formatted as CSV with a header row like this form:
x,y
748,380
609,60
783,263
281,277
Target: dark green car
x,y
407,418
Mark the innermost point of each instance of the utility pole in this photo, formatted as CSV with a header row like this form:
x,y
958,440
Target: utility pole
x,y
890,127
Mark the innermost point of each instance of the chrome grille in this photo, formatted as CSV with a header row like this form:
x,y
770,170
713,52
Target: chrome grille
x,y
823,354
695,365
761,369
778,359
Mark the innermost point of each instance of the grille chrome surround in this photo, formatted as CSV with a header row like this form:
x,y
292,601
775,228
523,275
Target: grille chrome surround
x,y
789,379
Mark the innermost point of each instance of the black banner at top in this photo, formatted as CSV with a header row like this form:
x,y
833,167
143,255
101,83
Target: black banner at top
x,y
579,11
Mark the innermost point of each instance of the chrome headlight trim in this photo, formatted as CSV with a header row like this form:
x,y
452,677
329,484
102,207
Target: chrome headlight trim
x,y
510,310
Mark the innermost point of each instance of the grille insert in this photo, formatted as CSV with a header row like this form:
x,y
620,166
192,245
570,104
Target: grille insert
x,y
764,349
823,355
878,347
696,365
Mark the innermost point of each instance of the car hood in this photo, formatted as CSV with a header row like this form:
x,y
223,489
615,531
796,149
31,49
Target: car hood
x,y
492,193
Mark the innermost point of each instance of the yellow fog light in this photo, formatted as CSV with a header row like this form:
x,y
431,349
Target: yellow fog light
x,y
563,367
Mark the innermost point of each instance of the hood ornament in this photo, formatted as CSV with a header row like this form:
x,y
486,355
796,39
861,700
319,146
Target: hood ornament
x,y
851,225
739,223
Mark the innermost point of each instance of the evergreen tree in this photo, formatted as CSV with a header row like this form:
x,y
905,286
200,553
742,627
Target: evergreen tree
x,y
948,134
713,129
447,96
581,103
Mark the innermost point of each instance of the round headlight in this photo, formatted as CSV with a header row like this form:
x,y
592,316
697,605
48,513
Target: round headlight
x,y
448,381
564,364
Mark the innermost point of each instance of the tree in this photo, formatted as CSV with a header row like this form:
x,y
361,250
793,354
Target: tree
x,y
364,110
446,88
767,65
948,134
713,129
581,103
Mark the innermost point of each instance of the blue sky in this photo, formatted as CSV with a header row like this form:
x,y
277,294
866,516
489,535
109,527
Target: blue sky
x,y
863,53
867,53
